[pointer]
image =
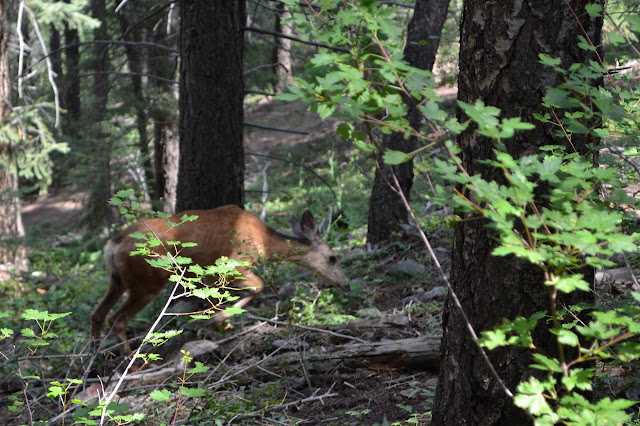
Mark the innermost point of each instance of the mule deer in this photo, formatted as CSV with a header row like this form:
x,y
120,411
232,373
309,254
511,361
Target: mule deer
x,y
226,231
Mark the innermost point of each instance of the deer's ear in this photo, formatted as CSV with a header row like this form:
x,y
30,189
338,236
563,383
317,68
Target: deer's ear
x,y
297,227
305,228
309,225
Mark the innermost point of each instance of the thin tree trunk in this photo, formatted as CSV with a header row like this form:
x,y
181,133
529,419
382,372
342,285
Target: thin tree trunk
x,y
386,210
211,170
135,65
70,88
500,43
282,50
165,128
99,211
168,145
12,253
54,48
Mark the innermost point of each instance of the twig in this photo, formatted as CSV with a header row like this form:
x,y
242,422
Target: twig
x,y
142,74
299,40
623,34
257,92
260,67
635,284
120,6
170,299
278,129
109,42
54,88
265,192
285,406
21,43
452,293
224,380
297,164
306,327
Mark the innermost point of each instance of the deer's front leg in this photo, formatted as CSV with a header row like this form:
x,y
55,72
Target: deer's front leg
x,y
251,283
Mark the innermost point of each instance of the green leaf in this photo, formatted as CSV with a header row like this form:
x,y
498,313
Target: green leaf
x,y
594,10
454,126
27,332
492,339
531,397
206,293
322,59
288,97
138,236
160,395
481,114
517,123
548,60
56,391
432,110
615,38
199,368
546,364
559,98
585,44
193,392
233,310
578,378
569,283
394,158
364,147
567,337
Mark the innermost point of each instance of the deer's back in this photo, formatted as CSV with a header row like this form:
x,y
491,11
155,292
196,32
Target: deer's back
x,y
226,231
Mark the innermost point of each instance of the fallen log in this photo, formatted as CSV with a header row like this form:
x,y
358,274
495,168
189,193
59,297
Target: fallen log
x,y
418,353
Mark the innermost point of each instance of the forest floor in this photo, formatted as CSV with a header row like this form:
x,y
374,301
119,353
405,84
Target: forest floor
x,y
388,304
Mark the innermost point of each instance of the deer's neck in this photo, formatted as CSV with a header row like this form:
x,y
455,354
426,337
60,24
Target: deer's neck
x,y
285,246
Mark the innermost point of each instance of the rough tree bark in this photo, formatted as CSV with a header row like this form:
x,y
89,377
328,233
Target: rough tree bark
x,y
12,255
211,167
386,210
499,47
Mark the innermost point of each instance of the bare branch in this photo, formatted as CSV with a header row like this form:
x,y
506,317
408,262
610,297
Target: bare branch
x,y
305,327
47,59
277,129
22,47
299,40
284,406
144,74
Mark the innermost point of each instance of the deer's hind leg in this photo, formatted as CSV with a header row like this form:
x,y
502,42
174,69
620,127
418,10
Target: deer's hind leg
x,y
136,301
111,296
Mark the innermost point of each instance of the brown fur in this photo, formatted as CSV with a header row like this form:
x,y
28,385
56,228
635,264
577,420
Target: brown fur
x,y
225,231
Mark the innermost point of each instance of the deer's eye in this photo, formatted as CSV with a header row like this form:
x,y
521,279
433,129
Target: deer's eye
x,y
332,259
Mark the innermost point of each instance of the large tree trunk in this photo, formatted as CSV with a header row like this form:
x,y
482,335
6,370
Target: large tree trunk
x,y
12,254
386,209
211,169
499,47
